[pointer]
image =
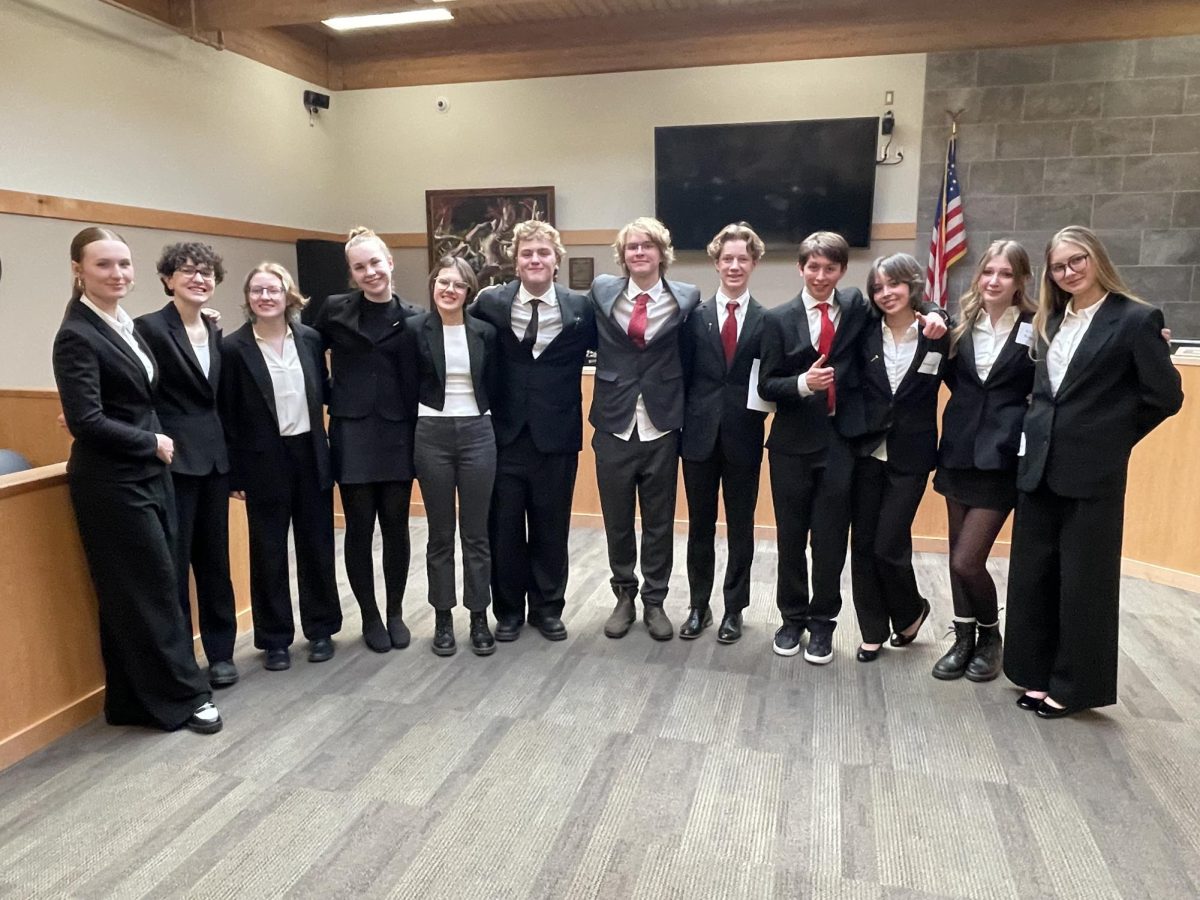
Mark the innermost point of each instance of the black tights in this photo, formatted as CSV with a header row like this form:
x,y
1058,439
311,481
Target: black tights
x,y
362,504
973,531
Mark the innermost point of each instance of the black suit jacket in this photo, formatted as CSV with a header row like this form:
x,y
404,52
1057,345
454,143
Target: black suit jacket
x,y
802,424
542,394
1119,385
247,401
907,420
428,338
981,425
107,400
625,371
186,398
367,377
716,393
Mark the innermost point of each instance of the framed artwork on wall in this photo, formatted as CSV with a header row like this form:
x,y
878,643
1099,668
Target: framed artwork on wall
x,y
477,224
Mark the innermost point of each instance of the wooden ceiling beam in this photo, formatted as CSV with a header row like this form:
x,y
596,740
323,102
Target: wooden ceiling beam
x,y
230,15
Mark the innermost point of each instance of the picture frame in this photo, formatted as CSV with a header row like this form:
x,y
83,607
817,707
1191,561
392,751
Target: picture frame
x,y
477,224
581,272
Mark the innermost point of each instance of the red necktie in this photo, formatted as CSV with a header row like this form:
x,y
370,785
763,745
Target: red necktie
x,y
637,321
825,347
729,332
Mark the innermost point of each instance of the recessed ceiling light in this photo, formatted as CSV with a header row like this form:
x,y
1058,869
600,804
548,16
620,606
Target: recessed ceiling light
x,y
385,20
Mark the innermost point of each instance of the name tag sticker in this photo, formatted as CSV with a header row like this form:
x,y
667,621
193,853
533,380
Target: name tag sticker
x,y
1024,334
1021,449
930,364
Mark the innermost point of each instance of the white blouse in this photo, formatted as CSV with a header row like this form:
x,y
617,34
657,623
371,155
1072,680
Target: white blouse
x,y
460,388
287,379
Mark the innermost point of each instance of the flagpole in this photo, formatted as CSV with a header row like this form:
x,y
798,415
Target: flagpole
x,y
953,114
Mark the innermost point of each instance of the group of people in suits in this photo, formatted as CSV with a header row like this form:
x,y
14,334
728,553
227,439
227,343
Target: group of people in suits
x,y
479,398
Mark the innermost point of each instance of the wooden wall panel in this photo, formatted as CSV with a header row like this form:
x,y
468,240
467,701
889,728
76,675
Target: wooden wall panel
x,y
29,425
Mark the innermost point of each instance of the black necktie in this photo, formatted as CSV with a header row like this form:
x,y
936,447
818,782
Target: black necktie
x,y
531,330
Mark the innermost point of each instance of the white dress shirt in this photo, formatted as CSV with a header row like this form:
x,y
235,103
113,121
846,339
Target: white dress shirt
x,y
897,360
460,387
122,324
739,314
661,309
287,380
814,328
988,340
549,317
1067,340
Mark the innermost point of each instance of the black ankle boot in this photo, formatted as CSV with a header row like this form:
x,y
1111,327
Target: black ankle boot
x,y
443,633
988,659
482,642
954,663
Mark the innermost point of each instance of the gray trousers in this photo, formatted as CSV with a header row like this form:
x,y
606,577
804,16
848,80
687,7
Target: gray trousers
x,y
455,457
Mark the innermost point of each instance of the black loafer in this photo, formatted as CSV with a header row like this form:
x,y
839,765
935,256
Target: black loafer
x,y
1046,711
508,629
730,631
205,720
698,619
550,627
864,655
278,659
1030,704
320,650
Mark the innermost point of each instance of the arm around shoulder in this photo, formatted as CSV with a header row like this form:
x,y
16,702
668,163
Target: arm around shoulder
x,y
1159,384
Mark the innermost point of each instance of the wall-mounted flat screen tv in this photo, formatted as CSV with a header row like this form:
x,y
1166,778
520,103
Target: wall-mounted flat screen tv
x,y
787,179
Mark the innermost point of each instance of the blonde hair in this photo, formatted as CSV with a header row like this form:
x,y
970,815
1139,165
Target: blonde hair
x,y
1052,299
658,234
295,300
89,235
971,303
537,230
900,267
737,231
360,234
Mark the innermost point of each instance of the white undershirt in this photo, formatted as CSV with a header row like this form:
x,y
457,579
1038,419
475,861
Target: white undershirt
x,y
287,381
1067,340
202,355
460,388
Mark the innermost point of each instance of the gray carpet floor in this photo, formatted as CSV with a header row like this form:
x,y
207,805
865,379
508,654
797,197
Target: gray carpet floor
x,y
631,768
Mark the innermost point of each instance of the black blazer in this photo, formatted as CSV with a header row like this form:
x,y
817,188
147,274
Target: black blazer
x,y
186,398
907,420
107,400
981,425
802,424
625,371
247,401
1120,384
367,377
542,394
716,393
426,334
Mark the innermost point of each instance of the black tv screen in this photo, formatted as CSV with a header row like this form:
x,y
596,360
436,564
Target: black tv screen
x,y
787,179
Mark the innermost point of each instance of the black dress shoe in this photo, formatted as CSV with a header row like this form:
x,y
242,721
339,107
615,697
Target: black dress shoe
x,y
443,633
1046,711
278,659
482,643
865,655
730,631
222,673
1028,703
205,720
900,639
508,629
320,650
551,628
698,619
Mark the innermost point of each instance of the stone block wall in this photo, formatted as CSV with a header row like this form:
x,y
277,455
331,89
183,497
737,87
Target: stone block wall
x,y
1102,134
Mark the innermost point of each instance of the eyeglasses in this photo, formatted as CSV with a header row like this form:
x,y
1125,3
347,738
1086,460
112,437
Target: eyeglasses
x,y
1076,263
190,272
273,292
445,283
642,248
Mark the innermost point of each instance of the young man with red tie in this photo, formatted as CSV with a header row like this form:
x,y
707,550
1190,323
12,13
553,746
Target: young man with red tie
x,y
637,411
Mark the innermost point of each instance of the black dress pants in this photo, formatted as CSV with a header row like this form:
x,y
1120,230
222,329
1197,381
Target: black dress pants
x,y
202,544
638,474
1064,585
886,597
309,510
127,531
738,485
530,524
811,497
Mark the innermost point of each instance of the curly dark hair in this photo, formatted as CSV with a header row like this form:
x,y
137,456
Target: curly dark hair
x,y
175,255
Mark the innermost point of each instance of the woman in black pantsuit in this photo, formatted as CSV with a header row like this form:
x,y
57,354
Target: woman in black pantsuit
x,y
456,449
1103,380
990,375
121,492
901,374
187,348
273,387
372,415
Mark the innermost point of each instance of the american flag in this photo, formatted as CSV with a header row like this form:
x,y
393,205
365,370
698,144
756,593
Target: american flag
x,y
948,243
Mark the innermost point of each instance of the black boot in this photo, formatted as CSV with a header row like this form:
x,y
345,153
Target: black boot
x,y
989,655
954,663
482,642
443,633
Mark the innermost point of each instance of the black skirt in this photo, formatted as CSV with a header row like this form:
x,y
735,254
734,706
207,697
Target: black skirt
x,y
978,488
371,449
